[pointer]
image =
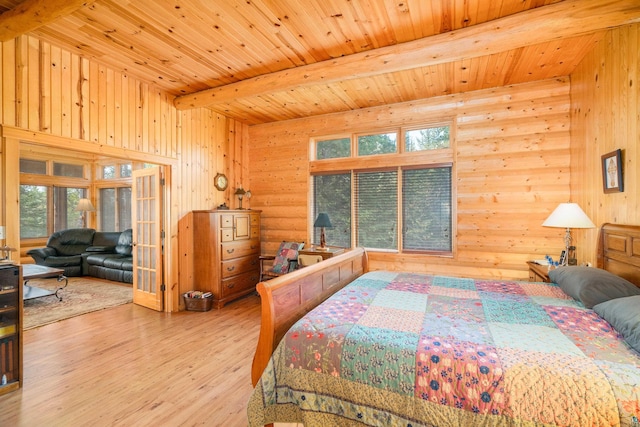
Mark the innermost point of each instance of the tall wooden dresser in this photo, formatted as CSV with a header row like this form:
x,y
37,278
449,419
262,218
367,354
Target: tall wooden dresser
x,y
219,252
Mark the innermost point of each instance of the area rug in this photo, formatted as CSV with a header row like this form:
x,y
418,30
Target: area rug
x,y
82,295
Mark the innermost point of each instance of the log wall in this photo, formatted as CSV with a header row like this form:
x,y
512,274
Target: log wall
x,y
512,157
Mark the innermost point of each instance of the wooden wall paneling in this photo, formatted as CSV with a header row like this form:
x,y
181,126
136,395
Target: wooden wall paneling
x,y
8,82
65,93
606,116
512,169
64,102
55,65
21,89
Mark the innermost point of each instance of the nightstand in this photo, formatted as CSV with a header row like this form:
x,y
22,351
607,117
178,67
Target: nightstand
x,y
538,273
330,252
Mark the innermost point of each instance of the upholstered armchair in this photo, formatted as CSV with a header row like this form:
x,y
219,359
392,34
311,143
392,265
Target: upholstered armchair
x,y
284,261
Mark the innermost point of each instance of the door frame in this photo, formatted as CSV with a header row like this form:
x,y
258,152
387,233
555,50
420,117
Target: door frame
x,y
10,146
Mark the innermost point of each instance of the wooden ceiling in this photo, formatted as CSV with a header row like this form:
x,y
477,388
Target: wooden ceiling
x,y
260,61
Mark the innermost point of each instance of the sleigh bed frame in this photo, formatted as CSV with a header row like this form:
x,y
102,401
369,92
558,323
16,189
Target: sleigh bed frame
x,y
287,298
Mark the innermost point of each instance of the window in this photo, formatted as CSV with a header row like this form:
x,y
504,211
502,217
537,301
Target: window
x,y
333,148
114,196
382,143
426,209
64,169
431,138
34,200
332,194
115,208
402,203
377,209
45,209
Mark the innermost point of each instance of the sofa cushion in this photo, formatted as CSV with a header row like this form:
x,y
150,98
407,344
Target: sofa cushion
x,y
127,264
106,238
72,241
63,261
98,259
125,242
115,263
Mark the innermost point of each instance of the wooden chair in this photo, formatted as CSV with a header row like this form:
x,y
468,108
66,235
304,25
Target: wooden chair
x,y
284,261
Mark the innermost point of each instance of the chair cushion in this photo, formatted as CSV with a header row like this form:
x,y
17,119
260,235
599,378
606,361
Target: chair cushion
x,y
287,251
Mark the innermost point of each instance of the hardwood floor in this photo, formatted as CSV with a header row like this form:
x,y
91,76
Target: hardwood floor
x,y
131,366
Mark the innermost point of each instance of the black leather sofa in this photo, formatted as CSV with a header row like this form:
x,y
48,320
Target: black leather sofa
x,y
87,252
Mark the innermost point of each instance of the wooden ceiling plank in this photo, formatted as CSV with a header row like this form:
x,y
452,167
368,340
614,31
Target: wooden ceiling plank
x,y
32,14
543,24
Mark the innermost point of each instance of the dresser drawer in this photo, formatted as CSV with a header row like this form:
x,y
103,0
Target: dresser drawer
x,y
239,283
239,265
233,250
255,226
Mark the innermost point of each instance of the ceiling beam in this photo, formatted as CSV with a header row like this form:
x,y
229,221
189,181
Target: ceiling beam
x,y
32,14
568,18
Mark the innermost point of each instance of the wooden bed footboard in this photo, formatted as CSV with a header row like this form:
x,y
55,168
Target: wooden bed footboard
x,y
287,298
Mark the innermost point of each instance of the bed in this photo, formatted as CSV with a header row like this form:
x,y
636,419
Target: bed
x,y
342,346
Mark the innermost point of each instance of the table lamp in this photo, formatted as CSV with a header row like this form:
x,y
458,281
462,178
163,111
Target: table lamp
x,y
322,221
568,215
240,194
84,206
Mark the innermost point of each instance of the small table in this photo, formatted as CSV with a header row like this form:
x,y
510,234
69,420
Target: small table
x,y
538,272
328,253
33,271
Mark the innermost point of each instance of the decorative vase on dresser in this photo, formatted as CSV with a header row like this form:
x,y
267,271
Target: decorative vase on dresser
x,y
219,253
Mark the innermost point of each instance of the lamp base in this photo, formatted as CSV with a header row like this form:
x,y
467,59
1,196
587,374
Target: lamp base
x,y
321,249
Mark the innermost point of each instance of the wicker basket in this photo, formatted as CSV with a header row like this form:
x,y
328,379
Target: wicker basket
x,y
198,304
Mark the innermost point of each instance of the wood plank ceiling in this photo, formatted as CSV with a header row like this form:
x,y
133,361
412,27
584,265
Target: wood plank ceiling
x,y
260,61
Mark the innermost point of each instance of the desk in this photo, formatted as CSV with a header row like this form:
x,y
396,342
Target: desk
x,y
33,271
330,252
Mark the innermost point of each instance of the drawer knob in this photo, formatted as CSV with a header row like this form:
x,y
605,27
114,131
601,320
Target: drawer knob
x,y
233,267
231,285
230,251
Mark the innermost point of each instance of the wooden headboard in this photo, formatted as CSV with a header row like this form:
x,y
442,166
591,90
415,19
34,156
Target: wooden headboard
x,y
619,251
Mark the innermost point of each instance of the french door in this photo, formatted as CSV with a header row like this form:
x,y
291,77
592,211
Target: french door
x,y
146,211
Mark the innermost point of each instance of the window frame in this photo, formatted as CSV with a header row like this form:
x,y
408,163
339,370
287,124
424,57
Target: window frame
x,y
388,161
51,181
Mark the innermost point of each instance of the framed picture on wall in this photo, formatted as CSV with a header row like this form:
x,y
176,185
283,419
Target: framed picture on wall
x,y
612,172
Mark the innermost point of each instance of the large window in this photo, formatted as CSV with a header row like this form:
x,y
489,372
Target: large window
x,y
400,202
115,209
49,193
114,196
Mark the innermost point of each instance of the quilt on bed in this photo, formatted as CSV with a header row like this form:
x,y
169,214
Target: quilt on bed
x,y
402,349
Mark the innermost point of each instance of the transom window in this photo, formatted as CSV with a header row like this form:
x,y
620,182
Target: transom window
x,y
388,196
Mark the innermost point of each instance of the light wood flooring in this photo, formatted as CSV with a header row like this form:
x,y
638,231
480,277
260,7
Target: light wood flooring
x,y
131,366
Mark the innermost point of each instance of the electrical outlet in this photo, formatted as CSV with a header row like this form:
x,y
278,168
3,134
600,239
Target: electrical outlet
x,y
2,232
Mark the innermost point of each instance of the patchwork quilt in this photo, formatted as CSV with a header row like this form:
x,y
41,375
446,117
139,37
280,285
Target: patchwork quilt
x,y
404,349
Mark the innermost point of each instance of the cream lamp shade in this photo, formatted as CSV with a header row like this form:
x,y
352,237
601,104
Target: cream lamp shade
x,y
568,215
84,205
